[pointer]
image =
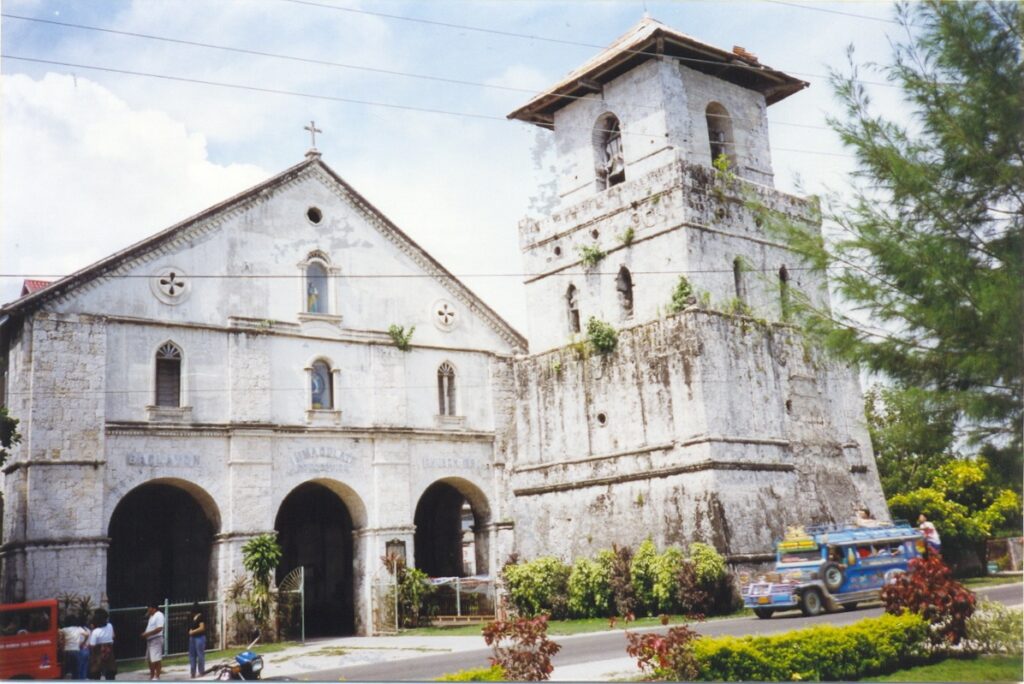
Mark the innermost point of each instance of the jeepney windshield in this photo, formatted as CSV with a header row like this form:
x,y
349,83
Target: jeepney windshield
x,y
799,556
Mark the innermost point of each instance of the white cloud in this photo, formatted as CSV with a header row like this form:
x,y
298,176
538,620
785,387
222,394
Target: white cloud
x,y
84,174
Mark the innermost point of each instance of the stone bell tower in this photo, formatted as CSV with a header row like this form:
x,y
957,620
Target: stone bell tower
x,y
715,422
636,131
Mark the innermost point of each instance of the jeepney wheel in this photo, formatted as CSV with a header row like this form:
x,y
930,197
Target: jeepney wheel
x,y
764,613
810,603
832,576
850,606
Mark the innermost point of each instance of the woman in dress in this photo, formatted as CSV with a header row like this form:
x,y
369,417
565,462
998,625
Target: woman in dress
x,y
102,663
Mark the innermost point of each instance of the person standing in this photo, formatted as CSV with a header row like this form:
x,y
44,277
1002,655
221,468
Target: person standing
x,y
102,662
74,636
154,636
197,642
931,535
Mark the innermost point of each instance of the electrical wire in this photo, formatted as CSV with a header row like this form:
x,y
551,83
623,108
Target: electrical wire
x,y
348,100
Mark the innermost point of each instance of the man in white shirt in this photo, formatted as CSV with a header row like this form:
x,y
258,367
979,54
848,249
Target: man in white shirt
x,y
154,636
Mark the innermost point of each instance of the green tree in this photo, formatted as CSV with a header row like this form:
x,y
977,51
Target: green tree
x,y
9,435
910,436
965,507
929,247
260,557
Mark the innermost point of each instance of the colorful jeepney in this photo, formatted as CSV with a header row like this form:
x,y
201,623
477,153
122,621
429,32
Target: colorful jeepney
x,y
832,566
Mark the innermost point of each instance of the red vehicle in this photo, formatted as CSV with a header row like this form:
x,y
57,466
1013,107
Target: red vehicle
x,y
28,640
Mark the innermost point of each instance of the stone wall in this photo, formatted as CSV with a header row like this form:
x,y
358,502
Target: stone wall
x,y
700,427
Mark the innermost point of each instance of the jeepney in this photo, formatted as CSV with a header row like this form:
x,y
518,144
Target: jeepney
x,y
829,567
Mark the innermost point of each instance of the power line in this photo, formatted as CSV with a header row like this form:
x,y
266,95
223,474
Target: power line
x,y
800,5
348,100
343,65
546,39
362,276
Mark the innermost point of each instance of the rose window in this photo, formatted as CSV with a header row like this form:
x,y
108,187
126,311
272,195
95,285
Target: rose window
x,y
445,316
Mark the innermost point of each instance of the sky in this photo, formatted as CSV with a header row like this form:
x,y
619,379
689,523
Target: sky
x,y
92,161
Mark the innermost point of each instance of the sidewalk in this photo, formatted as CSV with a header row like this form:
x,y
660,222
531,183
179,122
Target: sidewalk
x,y
323,654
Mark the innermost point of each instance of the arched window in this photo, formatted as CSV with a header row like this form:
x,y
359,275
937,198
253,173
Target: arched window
x,y
572,301
168,375
611,169
316,288
624,286
720,133
446,390
784,304
321,386
737,279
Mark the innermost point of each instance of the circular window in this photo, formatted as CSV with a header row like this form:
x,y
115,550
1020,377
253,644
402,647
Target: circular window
x,y
444,315
602,419
314,215
170,285
594,234
558,251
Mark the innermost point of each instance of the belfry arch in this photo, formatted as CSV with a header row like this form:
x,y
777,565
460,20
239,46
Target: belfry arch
x,y
451,521
161,544
315,525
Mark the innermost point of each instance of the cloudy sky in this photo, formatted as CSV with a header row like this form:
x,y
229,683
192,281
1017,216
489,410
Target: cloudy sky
x,y
94,160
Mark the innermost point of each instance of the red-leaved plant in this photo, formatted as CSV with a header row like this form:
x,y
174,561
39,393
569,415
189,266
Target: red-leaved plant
x,y
665,657
928,588
522,648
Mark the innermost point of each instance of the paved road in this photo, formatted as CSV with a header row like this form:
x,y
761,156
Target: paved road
x,y
585,648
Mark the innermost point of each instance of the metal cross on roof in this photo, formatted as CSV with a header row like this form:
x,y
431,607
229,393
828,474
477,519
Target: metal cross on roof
x,y
313,130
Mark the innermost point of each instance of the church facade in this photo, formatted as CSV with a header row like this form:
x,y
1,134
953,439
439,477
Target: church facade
x,y
248,371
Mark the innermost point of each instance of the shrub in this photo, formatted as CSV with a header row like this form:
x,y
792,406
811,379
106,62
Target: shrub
x,y
602,336
682,296
642,576
589,592
493,673
666,572
260,557
667,657
707,563
868,647
623,594
413,589
521,648
994,628
691,597
541,585
591,255
401,338
928,588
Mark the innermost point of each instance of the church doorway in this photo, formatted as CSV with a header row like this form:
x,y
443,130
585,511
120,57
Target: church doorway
x,y
161,541
314,528
451,535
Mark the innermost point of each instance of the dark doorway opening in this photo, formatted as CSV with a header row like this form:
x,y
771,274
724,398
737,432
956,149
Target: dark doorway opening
x,y
160,545
314,528
449,533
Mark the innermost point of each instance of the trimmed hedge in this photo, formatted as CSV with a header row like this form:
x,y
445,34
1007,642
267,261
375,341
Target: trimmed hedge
x,y
871,646
478,674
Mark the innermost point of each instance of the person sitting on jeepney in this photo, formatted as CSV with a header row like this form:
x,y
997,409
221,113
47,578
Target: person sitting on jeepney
x,y
864,519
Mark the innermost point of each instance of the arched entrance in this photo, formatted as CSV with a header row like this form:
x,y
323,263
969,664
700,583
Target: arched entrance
x,y
161,541
451,539
314,527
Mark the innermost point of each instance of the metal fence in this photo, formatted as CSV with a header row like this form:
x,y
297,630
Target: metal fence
x,y
461,598
130,623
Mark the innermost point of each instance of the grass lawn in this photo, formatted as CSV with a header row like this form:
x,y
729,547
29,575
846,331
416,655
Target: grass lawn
x,y
212,657
982,669
566,627
978,582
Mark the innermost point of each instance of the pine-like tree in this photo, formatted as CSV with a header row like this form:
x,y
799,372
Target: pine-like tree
x,y
928,246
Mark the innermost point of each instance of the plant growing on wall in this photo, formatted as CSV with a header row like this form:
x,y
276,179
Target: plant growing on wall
x,y
401,338
260,557
591,255
682,296
602,336
627,236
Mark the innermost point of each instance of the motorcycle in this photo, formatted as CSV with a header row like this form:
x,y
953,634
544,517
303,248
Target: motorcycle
x,y
246,666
